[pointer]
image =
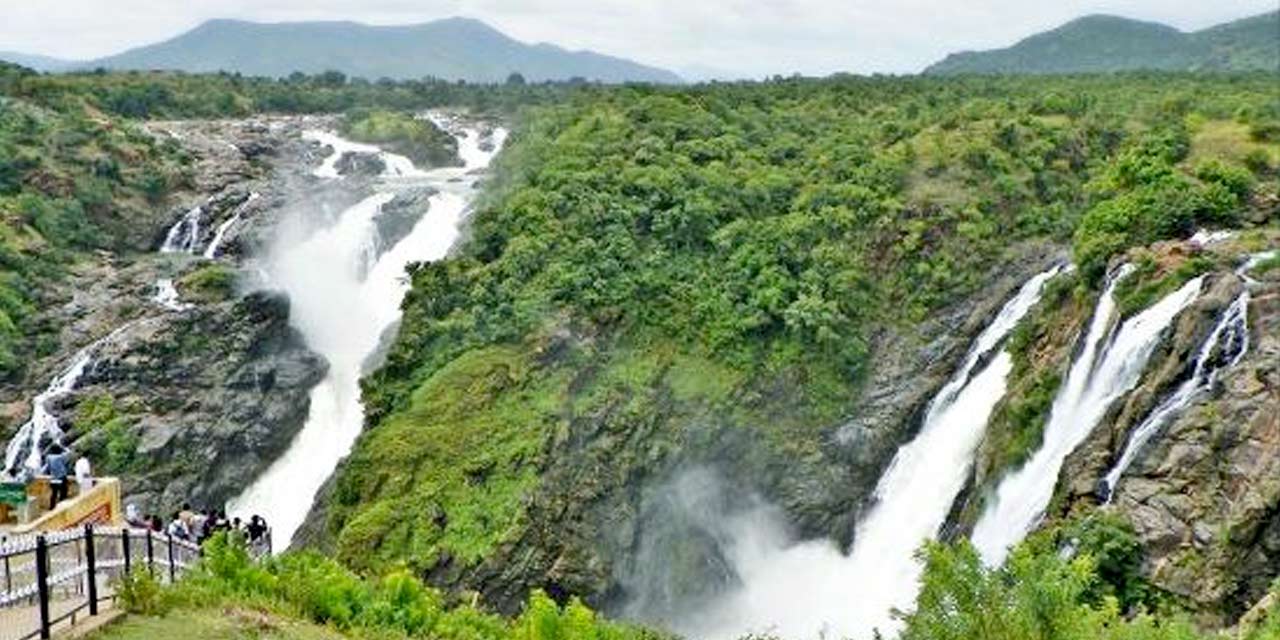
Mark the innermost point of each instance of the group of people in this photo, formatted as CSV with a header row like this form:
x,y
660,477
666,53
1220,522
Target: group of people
x,y
197,526
57,465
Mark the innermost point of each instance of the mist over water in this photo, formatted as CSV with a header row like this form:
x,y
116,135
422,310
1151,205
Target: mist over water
x,y
344,292
812,590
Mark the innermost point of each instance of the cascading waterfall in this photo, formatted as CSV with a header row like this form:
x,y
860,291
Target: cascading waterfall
x,y
811,589
166,295
1108,367
25,450
1225,346
184,235
215,244
342,302
397,166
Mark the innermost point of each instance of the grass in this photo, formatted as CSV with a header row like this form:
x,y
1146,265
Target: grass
x,y
1226,140
214,624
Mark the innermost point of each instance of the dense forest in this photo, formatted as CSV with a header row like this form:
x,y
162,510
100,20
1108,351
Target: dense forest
x,y
649,260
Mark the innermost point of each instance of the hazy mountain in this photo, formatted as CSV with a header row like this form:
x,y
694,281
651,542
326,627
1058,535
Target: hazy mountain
x,y
1102,43
453,49
37,62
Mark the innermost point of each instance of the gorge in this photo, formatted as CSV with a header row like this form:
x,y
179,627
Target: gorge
x,y
757,358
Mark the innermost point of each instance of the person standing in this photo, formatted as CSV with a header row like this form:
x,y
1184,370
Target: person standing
x,y
57,467
84,474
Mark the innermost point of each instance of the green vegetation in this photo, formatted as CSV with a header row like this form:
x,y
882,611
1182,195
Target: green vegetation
x,y
1078,581
271,600
71,180
210,283
1041,348
1150,282
764,232
215,623
402,133
1101,43
106,435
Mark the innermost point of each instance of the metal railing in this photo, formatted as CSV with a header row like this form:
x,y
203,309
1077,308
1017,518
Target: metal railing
x,y
51,579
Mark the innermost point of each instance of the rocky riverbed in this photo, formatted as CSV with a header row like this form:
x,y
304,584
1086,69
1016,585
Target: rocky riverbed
x,y
201,382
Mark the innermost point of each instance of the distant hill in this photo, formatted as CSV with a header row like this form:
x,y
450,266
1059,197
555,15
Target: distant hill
x,y
38,63
452,49
1102,43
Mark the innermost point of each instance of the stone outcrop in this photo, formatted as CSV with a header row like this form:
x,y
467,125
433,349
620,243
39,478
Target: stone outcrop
x,y
212,395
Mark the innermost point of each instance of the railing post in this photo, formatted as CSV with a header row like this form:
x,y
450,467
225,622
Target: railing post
x,y
124,541
42,584
151,555
171,570
90,560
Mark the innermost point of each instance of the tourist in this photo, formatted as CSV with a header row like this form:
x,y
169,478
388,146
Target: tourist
x,y
84,474
156,525
199,520
178,528
134,517
58,468
186,515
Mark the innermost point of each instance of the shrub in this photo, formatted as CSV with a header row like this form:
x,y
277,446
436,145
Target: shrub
x,y
139,592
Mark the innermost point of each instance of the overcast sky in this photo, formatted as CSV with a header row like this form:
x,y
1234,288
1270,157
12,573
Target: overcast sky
x,y
752,37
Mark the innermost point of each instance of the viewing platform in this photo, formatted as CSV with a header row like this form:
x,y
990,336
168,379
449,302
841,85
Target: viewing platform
x,y
25,508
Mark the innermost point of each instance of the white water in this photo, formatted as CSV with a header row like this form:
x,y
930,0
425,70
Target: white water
x,y
184,235
811,590
167,296
42,428
1229,340
215,244
1205,237
1253,261
342,304
397,166
1109,366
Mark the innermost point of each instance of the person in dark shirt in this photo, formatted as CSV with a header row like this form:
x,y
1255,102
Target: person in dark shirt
x,y
58,467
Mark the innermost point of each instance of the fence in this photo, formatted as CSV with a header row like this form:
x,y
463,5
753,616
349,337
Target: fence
x,y
51,579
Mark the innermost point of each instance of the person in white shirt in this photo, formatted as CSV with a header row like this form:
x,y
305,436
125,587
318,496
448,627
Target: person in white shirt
x,y
84,474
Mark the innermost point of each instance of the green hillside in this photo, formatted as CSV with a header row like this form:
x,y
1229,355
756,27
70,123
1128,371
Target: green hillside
x,y
1101,43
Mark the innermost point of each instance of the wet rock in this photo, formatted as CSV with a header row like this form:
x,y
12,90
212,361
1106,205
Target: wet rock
x,y
360,164
190,385
397,218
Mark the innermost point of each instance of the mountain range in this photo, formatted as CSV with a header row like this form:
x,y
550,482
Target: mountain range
x,y
1103,43
450,49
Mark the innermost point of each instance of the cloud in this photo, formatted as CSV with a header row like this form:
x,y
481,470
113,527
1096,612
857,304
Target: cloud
x,y
752,37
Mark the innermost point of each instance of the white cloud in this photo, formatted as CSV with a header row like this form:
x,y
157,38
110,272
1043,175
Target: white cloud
x,y
754,37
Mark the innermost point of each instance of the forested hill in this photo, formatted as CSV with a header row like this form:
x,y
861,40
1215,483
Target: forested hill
x,y
451,49
1102,43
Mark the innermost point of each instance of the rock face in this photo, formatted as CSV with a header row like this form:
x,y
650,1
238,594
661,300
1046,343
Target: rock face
x,y
212,395
189,400
1204,494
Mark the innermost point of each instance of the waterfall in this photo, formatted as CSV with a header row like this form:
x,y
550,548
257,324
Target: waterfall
x,y
811,590
26,449
1225,346
167,296
1108,367
184,235
396,166
344,295
211,251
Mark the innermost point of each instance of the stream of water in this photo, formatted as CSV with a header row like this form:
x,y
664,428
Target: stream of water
x,y
1109,366
343,296
811,590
